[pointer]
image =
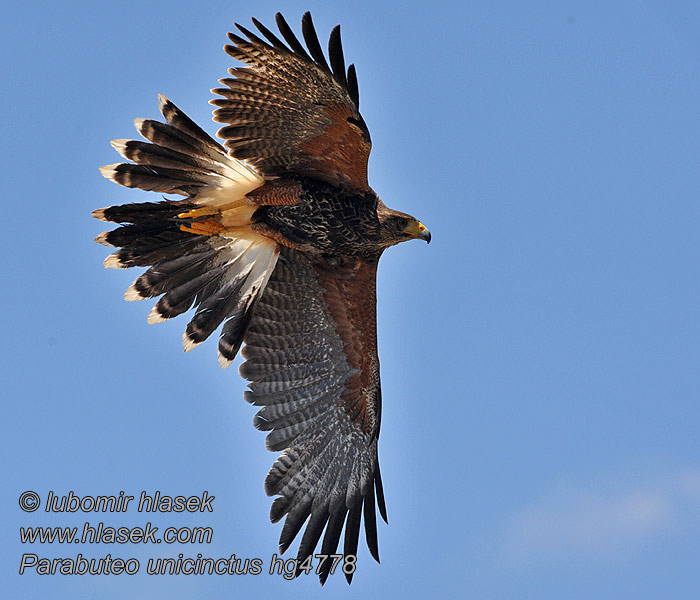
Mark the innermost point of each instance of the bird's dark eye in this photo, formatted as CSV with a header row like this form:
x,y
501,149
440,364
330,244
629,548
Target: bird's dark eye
x,y
403,223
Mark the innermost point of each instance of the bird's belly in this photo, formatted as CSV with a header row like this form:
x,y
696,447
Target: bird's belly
x,y
323,227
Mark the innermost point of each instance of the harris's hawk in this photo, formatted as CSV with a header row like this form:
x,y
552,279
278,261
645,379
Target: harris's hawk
x,y
277,238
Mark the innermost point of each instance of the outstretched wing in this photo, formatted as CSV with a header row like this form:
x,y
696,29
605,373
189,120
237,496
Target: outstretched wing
x,y
288,112
311,359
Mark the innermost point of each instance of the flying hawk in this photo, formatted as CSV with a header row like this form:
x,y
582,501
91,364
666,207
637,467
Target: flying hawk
x,y
278,237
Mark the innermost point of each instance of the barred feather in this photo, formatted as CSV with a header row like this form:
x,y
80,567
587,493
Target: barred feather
x,y
220,276
298,369
286,111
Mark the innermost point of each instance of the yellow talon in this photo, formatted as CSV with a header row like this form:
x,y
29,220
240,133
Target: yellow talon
x,y
195,213
206,227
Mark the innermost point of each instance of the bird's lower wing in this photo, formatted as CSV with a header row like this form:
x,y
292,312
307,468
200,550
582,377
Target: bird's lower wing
x,y
311,359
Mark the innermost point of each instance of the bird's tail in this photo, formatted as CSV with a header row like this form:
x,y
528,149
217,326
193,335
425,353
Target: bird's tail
x,y
200,250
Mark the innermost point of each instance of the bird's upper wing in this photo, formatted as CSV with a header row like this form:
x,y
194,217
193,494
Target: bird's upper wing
x,y
289,112
311,359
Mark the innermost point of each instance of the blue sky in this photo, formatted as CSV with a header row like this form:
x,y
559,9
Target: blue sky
x,y
539,358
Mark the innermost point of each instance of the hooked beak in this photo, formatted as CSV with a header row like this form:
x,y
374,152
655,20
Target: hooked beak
x,y
418,231
424,233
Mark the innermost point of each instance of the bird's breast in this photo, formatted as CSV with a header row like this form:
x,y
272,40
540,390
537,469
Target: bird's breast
x,y
326,220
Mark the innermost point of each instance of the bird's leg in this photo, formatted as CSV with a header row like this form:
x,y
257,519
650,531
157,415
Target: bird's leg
x,y
208,210
208,226
208,220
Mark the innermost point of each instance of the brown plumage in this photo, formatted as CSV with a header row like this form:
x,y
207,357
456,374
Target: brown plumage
x,y
278,239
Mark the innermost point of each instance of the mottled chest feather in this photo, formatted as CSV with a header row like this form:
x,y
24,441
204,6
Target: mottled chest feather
x,y
327,220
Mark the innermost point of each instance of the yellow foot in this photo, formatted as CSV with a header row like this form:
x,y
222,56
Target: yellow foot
x,y
205,227
196,213
205,211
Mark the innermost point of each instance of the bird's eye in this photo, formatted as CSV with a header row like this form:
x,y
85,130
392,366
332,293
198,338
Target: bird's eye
x,y
403,223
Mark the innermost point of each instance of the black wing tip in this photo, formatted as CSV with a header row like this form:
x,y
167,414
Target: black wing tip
x,y
335,35
271,37
312,53
379,488
333,525
251,36
311,38
335,54
235,38
370,518
353,87
290,37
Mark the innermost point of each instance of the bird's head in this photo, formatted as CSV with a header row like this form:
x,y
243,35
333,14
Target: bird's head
x,y
399,227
